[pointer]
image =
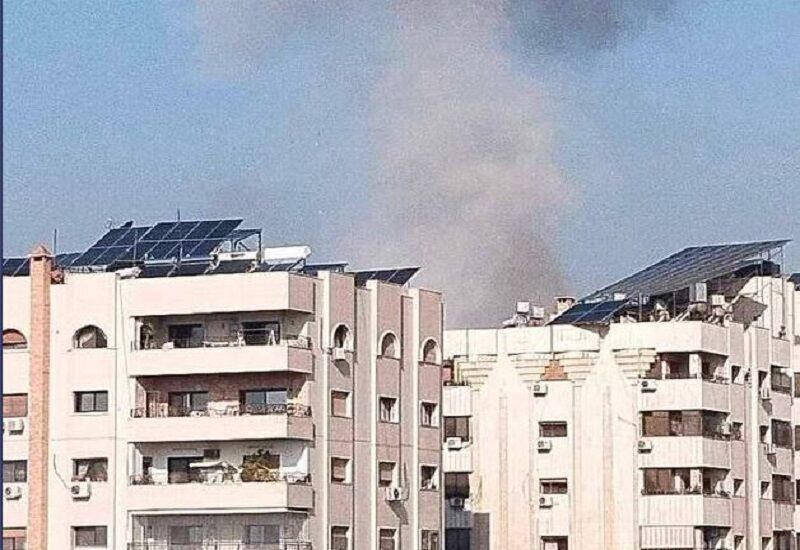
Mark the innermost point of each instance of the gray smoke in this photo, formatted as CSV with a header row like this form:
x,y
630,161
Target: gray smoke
x,y
463,183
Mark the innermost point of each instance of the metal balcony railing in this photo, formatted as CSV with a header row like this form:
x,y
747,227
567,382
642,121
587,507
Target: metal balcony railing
x,y
217,478
162,410
287,544
242,338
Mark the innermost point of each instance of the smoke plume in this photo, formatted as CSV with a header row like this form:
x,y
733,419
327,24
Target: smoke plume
x,y
463,182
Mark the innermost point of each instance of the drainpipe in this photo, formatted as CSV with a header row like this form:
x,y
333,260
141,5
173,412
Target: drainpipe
x,y
41,265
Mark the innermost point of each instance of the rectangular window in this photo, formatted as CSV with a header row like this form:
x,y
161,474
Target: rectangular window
x,y
428,414
270,401
13,539
188,403
456,426
388,409
90,536
185,534
179,470
429,478
15,405
456,485
554,543
386,538
340,538
340,468
186,336
91,401
15,471
90,469
458,539
340,403
261,333
430,540
782,489
263,534
553,486
386,474
782,434
552,429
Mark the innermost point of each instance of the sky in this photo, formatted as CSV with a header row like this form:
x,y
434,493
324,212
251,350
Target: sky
x,y
646,130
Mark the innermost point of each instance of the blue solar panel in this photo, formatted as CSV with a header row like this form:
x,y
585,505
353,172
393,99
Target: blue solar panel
x,y
224,229
66,259
180,231
795,278
158,231
156,270
590,313
188,269
203,230
399,276
111,237
313,269
15,267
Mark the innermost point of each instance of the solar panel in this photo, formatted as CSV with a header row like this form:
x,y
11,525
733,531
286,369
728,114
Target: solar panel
x,y
399,276
795,278
15,267
690,265
241,234
590,313
156,270
313,269
66,259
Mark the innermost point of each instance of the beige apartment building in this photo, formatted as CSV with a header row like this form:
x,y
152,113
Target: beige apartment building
x,y
178,386
657,413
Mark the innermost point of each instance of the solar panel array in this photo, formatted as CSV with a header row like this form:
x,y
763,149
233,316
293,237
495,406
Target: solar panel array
x,y
15,267
313,269
690,265
163,241
585,313
795,278
398,276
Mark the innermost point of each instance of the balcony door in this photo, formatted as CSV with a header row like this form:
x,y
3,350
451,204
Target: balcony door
x,y
271,401
186,336
186,403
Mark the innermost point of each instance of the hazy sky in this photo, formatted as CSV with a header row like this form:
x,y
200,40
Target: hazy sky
x,y
680,127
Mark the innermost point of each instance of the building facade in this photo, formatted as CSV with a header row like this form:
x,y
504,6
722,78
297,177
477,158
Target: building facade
x,y
669,428
253,409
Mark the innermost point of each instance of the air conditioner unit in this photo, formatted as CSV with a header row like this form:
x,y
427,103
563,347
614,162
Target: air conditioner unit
x,y
647,385
394,494
770,448
698,293
544,445
545,502
339,354
766,393
12,492
457,502
645,446
80,490
718,300
725,428
454,443
15,425
539,389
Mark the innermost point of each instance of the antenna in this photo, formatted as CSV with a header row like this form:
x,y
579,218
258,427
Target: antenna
x,y
179,214
55,241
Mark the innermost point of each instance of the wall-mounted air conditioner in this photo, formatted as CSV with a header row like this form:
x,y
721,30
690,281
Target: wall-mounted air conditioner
x,y
454,443
647,385
12,492
769,448
540,389
15,425
645,446
766,393
544,445
339,354
393,493
725,428
457,502
80,490
545,502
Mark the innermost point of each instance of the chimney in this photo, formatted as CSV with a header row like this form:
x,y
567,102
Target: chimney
x,y
41,265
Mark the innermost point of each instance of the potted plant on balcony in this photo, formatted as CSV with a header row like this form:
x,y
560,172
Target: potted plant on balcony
x,y
260,467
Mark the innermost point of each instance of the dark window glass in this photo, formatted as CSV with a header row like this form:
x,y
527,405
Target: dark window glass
x,y
456,485
90,469
91,536
456,426
552,429
15,471
15,405
91,401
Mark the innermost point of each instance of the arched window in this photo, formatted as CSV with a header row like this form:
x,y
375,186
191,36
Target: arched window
x,y
390,347
89,337
430,352
14,339
341,337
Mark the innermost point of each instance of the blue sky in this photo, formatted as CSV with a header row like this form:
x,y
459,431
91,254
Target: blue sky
x,y
687,132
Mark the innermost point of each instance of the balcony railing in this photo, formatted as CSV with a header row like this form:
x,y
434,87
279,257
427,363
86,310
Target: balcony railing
x,y
287,544
241,339
714,378
230,475
162,410
687,491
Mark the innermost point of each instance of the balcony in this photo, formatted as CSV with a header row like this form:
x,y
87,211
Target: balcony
x,y
687,452
220,545
682,392
685,509
220,357
215,492
234,422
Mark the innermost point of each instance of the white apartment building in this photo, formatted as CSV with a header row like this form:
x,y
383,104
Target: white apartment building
x,y
178,386
657,413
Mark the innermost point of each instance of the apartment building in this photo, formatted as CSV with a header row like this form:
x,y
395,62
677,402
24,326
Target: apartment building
x,y
657,413
180,386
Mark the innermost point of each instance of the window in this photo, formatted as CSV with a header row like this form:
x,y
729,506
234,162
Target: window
x,y
262,534
779,379
429,478
456,426
386,474
340,470
187,402
90,469
89,337
261,333
738,487
90,536
15,471
782,434
341,337
389,346
179,470
553,486
764,489
554,543
456,485
386,539
186,336
271,401
13,539
668,481
13,339
388,409
552,429
185,534
430,540
91,401
15,405
428,414
340,538
457,539
340,403
430,352
782,489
